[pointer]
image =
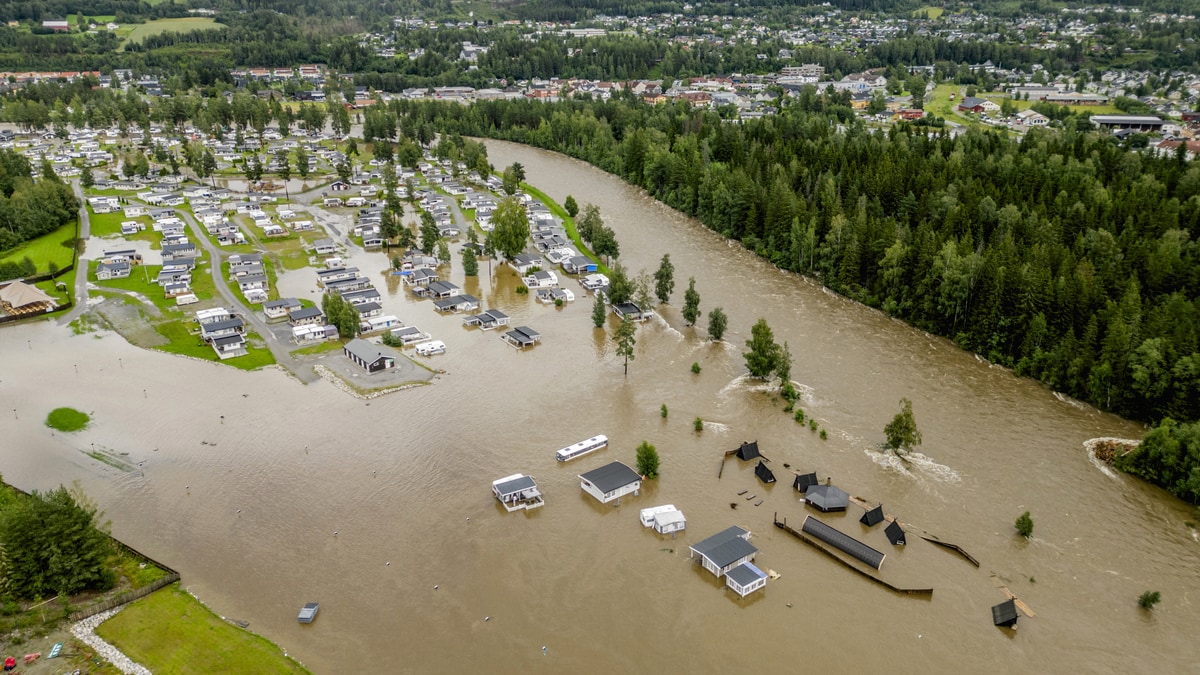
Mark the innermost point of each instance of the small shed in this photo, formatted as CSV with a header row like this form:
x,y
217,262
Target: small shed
x,y
669,522
367,355
895,533
873,517
610,482
804,481
748,451
763,472
745,579
1005,614
827,498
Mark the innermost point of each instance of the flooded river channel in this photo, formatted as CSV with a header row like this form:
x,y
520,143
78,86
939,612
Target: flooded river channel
x,y
404,482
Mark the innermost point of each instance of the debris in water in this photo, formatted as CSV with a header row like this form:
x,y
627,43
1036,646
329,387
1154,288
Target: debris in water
x,y
742,492
733,505
758,503
487,618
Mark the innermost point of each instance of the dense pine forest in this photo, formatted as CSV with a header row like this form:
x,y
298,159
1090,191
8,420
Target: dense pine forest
x,y
1060,255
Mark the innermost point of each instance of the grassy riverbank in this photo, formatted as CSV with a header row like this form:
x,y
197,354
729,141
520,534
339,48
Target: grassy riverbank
x,y
569,223
67,419
172,632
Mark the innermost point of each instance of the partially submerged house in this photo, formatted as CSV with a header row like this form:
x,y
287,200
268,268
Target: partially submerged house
x,y
873,517
895,533
842,542
1005,614
745,579
804,481
517,492
827,498
522,337
665,519
748,451
610,482
764,473
724,550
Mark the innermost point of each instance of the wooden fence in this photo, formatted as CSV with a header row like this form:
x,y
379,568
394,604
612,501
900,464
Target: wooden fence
x,y
126,597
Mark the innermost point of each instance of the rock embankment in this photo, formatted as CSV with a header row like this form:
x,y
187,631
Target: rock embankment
x,y
85,632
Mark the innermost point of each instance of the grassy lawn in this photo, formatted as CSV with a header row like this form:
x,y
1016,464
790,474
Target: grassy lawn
x,y
999,96
939,103
171,632
56,247
140,280
331,346
67,419
288,252
109,225
569,223
185,343
183,25
930,12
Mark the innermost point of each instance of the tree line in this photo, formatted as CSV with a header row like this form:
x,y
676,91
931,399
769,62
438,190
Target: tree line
x,y
1061,255
29,210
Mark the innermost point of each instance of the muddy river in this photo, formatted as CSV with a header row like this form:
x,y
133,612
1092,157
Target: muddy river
x,y
367,506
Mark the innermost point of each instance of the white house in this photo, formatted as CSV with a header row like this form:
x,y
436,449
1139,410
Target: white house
x,y
665,519
517,492
724,550
610,482
541,279
745,579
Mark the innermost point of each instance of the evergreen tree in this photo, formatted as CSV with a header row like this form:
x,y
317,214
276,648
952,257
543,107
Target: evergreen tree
x,y
429,233
53,544
470,262
624,337
691,303
571,207
664,279
717,321
599,313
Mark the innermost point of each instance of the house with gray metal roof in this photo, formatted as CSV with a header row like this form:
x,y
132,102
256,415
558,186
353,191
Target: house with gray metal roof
x,y
827,498
368,355
724,550
518,491
610,482
745,579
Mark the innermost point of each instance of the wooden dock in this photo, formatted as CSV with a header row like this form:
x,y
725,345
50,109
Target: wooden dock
x,y
799,535
931,538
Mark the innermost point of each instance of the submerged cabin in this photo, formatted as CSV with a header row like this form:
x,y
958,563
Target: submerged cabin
x,y
763,472
873,517
827,498
842,542
804,481
745,579
610,482
517,492
724,550
895,533
665,519
748,451
1005,614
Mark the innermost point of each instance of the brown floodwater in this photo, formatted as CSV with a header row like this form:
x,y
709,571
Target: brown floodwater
x,y
404,481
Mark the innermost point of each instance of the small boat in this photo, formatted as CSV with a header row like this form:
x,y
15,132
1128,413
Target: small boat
x,y
581,448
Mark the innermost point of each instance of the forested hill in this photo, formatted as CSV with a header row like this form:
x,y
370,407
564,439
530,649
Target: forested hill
x,y
1061,255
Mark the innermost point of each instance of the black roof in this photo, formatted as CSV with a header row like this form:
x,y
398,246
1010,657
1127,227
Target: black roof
x,y
895,533
745,574
872,517
763,472
748,450
843,542
611,476
827,497
804,480
1005,614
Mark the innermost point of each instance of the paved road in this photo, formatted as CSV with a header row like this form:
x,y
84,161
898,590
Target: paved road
x,y
81,267
279,349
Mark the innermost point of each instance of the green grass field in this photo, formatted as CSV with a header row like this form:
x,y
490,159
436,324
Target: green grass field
x,y
56,247
184,25
67,419
930,12
171,632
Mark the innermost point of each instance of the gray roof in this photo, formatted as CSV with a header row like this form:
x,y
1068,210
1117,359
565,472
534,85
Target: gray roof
x,y
367,307
827,497
611,476
745,574
1005,613
726,547
442,287
282,302
872,517
304,313
368,352
732,532
843,542
515,485
214,326
895,533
